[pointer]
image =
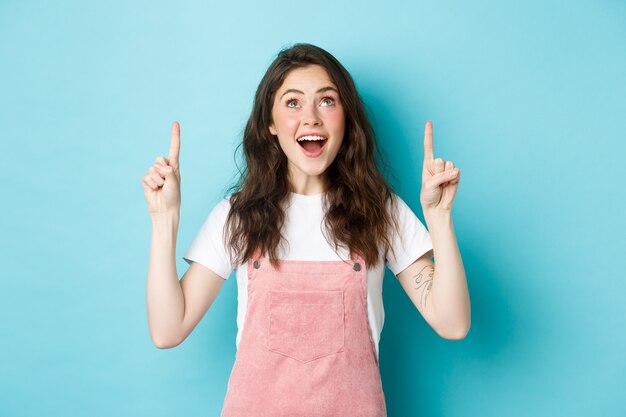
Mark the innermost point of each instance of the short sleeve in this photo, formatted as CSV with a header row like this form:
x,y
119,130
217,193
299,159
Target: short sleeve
x,y
412,241
207,247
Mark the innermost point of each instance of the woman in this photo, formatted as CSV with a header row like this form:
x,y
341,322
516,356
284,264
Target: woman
x,y
309,229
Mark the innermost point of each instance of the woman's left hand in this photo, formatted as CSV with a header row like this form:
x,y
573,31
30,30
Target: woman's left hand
x,y
440,179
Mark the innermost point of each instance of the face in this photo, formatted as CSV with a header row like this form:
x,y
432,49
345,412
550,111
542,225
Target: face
x,y
307,107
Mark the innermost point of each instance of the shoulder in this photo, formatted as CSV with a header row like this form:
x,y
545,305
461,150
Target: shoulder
x,y
221,208
398,207
409,240
216,218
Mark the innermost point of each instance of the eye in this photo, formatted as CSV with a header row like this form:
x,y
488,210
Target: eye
x,y
328,101
292,101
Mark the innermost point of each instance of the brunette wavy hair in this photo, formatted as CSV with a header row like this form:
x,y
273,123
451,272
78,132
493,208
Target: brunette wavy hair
x,y
358,203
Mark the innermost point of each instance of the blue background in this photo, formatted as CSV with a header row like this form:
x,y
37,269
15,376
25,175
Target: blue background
x,y
527,98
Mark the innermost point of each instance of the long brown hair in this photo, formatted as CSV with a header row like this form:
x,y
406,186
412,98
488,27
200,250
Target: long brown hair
x,y
357,215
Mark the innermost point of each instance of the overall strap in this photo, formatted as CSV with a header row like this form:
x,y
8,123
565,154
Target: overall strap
x,y
257,254
358,262
254,263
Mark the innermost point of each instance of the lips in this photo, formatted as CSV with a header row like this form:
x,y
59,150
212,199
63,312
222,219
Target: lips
x,y
313,149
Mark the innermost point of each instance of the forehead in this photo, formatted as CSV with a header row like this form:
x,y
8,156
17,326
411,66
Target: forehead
x,y
312,75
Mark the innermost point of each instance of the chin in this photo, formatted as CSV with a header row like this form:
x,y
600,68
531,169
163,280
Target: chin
x,y
316,172
313,171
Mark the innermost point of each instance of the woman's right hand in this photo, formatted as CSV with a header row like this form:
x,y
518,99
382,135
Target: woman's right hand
x,y
161,184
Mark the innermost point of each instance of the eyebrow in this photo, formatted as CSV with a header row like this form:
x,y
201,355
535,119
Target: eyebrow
x,y
321,90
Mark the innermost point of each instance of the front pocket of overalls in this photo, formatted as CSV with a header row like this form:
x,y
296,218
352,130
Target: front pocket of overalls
x,y
306,325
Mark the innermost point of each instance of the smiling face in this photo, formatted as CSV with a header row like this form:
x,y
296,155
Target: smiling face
x,y
307,107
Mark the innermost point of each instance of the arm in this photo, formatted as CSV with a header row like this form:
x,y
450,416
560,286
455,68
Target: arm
x,y
175,308
440,291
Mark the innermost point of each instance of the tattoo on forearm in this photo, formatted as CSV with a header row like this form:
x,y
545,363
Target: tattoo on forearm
x,y
424,279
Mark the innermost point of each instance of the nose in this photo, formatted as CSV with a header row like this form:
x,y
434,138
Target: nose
x,y
310,116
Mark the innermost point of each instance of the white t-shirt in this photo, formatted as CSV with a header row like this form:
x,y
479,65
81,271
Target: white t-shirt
x,y
303,230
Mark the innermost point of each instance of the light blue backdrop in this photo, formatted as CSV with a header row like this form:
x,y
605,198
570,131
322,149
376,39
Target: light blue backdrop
x,y
527,98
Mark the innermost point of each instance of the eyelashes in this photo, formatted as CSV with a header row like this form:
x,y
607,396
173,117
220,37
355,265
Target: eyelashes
x,y
327,99
331,99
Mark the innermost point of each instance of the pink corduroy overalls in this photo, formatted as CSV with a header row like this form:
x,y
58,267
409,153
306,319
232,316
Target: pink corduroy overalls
x,y
306,349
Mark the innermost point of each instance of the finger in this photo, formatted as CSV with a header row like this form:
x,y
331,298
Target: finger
x,y
456,180
441,178
154,170
439,165
161,160
158,169
428,141
175,145
150,182
158,179
164,170
445,167
449,167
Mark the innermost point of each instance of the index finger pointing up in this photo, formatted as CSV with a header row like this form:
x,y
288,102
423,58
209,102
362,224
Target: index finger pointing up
x,y
428,141
175,145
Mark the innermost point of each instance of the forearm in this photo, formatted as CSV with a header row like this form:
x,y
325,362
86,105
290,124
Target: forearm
x,y
165,300
449,292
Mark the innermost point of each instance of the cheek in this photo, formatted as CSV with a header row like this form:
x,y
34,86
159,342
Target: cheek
x,y
336,119
286,121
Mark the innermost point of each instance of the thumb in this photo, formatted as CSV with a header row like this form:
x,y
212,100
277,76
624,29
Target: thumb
x,y
438,179
166,171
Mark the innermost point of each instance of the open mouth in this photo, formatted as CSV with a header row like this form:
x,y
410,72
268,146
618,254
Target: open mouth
x,y
312,145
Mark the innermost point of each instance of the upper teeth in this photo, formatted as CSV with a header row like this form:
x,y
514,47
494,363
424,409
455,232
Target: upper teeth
x,y
311,138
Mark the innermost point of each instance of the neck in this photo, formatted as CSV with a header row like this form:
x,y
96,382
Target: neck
x,y
309,185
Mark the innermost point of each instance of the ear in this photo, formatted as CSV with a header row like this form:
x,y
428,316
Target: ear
x,y
272,130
